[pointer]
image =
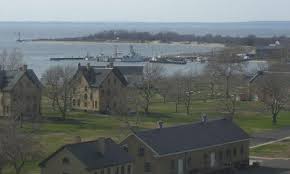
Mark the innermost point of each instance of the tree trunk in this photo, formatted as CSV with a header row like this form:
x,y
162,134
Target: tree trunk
x,y
227,87
274,119
164,99
187,110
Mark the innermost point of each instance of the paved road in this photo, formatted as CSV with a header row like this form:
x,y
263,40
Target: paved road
x,y
268,136
275,166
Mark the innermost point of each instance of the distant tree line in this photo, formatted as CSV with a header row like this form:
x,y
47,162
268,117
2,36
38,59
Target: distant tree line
x,y
166,37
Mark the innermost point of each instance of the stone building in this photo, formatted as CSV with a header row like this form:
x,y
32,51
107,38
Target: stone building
x,y
20,93
202,147
99,89
102,156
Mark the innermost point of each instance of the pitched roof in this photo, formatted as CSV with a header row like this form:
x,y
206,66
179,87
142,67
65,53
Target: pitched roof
x,y
95,76
190,137
128,70
89,154
8,79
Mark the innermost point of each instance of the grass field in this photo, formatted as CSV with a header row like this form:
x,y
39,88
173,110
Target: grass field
x,y
53,133
275,150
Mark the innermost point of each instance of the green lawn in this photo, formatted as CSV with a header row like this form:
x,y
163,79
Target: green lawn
x,y
53,133
275,150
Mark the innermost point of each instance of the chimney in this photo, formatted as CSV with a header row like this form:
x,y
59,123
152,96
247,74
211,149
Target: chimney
x,y
160,124
77,139
101,145
88,66
204,118
110,65
23,68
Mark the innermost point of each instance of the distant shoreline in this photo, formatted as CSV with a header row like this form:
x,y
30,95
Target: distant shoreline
x,y
127,42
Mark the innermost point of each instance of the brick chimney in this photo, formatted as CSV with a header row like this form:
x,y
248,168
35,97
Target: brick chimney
x,y
101,145
77,139
23,68
160,124
204,118
110,65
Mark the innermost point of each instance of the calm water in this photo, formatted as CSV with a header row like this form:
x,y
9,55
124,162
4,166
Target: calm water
x,y
37,54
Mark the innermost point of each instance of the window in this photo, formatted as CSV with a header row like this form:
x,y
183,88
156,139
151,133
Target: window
x,y
102,171
117,170
125,147
86,104
96,104
147,167
27,108
172,164
122,170
115,81
108,170
129,169
141,151
109,81
234,152
86,88
242,150
34,99
91,96
86,96
221,155
228,153
189,161
34,107
79,102
65,160
205,160
74,102
109,92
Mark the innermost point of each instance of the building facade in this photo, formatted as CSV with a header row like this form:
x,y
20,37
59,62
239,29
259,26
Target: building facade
x,y
20,93
102,156
188,149
99,89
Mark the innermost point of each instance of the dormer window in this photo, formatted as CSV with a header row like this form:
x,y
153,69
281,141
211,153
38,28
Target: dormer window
x,y
125,147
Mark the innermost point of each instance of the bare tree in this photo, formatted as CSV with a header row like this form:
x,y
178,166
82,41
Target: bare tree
x,y
17,148
225,66
176,88
273,89
11,60
189,89
58,88
163,87
152,74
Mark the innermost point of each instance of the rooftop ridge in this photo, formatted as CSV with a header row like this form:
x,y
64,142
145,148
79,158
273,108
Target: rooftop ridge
x,y
183,124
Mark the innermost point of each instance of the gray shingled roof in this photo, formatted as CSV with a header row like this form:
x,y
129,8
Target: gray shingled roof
x,y
8,79
88,154
192,136
95,75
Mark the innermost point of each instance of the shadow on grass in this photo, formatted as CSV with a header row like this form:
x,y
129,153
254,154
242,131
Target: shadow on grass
x,y
156,115
59,120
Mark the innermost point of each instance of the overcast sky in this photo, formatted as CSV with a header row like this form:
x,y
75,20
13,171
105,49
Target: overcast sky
x,y
145,10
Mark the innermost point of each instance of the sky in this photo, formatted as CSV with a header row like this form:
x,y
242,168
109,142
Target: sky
x,y
145,10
